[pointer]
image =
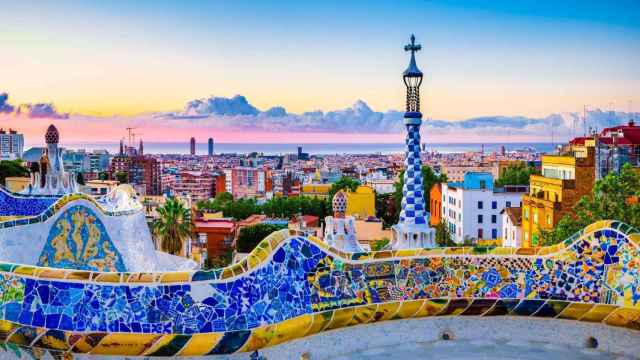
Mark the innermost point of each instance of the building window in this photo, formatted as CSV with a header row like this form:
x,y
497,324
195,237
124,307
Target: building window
x,y
494,233
483,184
479,219
494,219
508,203
479,204
480,234
535,217
549,222
494,205
526,214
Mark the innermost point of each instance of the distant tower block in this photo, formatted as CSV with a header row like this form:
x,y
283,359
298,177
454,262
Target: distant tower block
x,y
413,230
340,230
210,145
193,146
141,148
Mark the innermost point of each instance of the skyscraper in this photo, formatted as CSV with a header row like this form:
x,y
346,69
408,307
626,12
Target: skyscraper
x,y
193,146
210,143
413,231
11,144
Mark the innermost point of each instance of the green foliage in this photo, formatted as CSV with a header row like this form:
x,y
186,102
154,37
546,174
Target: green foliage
x,y
80,178
517,174
288,207
9,168
429,178
386,209
103,175
443,235
344,183
278,207
609,200
173,226
216,262
237,209
378,245
250,236
122,177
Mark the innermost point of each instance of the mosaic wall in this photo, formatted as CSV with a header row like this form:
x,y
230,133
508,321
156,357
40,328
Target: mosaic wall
x,y
79,240
291,286
53,205
17,205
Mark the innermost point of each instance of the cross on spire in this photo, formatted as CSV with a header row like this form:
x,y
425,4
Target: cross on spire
x,y
413,47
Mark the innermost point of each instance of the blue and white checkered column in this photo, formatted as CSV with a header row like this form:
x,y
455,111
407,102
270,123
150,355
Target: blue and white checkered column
x,y
413,206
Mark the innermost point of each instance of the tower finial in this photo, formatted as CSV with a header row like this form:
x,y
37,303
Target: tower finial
x,y
412,79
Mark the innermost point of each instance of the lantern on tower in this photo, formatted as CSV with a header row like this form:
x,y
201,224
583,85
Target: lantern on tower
x,y
412,78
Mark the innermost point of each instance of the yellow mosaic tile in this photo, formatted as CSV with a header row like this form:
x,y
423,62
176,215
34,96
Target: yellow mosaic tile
x,y
200,344
6,328
25,270
124,344
320,321
363,314
385,254
159,343
386,311
431,308
598,313
142,278
454,251
79,275
635,238
174,277
49,273
408,309
260,337
624,317
341,318
575,311
106,277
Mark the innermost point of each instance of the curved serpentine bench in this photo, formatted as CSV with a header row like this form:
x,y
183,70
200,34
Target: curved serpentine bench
x,y
292,286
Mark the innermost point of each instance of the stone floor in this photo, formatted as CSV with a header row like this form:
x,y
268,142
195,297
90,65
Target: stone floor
x,y
478,350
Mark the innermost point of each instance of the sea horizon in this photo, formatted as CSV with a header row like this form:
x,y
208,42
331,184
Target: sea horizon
x,y
183,148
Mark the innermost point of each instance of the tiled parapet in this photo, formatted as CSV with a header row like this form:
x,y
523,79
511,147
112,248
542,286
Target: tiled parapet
x,y
291,286
16,205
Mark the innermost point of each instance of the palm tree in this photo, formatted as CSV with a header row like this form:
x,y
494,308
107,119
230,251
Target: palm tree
x,y
173,226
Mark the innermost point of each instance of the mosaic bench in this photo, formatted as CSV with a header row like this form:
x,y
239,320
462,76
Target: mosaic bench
x,y
293,286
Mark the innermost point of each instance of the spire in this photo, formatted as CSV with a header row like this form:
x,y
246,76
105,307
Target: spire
x,y
141,148
412,78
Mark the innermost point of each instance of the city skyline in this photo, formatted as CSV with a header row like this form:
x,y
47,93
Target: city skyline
x,y
516,70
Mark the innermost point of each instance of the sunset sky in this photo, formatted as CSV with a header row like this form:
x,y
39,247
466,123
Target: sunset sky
x,y
110,61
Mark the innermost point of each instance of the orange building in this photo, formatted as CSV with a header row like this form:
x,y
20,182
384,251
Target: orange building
x,y
435,204
216,234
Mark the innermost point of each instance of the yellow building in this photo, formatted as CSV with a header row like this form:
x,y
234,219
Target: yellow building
x,y
16,184
361,204
552,195
316,190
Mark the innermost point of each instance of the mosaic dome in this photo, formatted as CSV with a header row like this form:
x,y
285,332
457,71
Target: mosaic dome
x,y
52,136
340,202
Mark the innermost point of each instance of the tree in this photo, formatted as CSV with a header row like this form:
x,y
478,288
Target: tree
x,y
344,183
613,197
79,178
173,226
429,178
250,236
9,168
516,174
443,234
386,209
122,177
103,175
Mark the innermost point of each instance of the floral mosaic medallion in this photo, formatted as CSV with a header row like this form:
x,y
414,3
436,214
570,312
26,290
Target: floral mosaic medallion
x,y
79,240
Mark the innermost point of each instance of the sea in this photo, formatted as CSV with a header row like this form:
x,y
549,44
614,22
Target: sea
x,y
314,149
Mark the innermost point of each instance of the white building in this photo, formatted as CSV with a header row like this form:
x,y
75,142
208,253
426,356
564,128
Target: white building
x,y
11,144
511,226
472,207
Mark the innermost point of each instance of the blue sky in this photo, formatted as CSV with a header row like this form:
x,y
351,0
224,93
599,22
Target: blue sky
x,y
528,58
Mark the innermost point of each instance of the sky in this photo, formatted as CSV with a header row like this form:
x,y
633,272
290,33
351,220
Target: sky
x,y
104,65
